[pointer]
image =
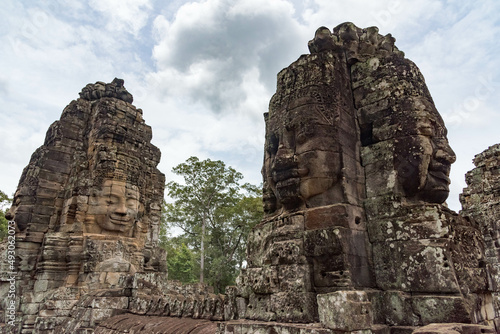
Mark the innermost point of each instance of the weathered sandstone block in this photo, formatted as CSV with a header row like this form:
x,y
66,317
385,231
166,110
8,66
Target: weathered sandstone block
x,y
345,311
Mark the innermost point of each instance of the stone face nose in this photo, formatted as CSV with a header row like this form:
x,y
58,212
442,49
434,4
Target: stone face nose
x,y
445,154
284,159
120,208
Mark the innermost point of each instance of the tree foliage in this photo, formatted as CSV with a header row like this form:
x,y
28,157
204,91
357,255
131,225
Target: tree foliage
x,y
182,264
5,201
215,213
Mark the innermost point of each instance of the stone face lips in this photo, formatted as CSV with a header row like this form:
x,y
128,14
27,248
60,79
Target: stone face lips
x,y
87,211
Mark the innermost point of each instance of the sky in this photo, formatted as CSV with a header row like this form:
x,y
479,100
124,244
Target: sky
x,y
203,72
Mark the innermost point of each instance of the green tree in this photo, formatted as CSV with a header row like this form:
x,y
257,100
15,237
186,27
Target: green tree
x,y
181,264
5,202
214,212
246,215
181,261
227,252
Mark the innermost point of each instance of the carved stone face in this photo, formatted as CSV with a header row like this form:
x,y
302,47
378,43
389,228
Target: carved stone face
x,y
115,208
424,161
302,161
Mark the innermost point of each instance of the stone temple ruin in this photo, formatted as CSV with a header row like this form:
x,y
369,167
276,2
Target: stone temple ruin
x,y
356,236
87,211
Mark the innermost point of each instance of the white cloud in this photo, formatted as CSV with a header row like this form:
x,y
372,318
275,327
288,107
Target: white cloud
x,y
123,15
206,51
183,129
217,62
47,57
389,16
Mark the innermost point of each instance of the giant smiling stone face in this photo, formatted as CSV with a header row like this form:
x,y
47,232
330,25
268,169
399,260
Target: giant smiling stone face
x,y
302,160
423,161
115,209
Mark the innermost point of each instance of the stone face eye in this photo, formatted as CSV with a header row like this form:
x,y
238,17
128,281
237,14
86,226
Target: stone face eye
x,y
426,130
301,138
112,199
131,203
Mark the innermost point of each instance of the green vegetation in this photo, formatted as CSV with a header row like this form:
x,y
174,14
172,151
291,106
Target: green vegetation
x,y
4,206
182,264
214,214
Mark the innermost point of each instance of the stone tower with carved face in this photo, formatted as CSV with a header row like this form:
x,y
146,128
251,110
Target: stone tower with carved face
x,y
356,173
87,210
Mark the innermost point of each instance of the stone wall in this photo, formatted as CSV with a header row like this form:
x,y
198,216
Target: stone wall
x,y
481,207
195,301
